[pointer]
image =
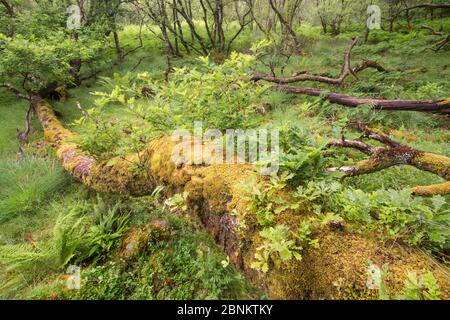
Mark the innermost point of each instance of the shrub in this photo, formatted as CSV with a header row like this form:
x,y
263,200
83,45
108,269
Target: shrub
x,y
217,95
280,242
417,221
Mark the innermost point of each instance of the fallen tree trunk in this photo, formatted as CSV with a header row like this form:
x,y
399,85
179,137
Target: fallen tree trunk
x,y
338,270
394,154
305,76
435,106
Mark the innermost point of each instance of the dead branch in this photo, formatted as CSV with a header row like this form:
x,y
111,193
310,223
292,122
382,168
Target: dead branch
x,y
435,106
441,43
345,71
432,31
393,154
354,144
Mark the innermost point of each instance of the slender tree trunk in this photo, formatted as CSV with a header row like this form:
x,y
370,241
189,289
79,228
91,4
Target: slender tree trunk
x,y
286,25
175,27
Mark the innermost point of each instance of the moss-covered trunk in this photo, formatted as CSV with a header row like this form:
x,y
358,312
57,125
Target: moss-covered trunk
x,y
337,270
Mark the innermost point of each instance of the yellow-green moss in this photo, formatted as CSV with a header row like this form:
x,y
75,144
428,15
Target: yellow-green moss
x,y
435,189
338,269
435,163
408,136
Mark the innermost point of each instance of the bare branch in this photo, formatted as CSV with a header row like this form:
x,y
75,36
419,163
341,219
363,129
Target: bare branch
x,y
373,134
432,31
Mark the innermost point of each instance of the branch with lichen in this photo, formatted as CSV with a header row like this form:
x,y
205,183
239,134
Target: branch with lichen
x,y
393,154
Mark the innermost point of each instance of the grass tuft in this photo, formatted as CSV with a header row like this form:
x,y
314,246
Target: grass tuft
x,y
28,183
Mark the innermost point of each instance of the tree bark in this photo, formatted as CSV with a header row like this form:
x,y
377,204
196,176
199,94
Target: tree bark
x,y
119,50
432,31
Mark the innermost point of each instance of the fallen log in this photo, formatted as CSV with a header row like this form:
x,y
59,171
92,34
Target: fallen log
x,y
305,76
435,106
394,154
337,270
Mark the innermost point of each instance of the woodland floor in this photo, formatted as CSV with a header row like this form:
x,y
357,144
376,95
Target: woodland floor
x,y
167,270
